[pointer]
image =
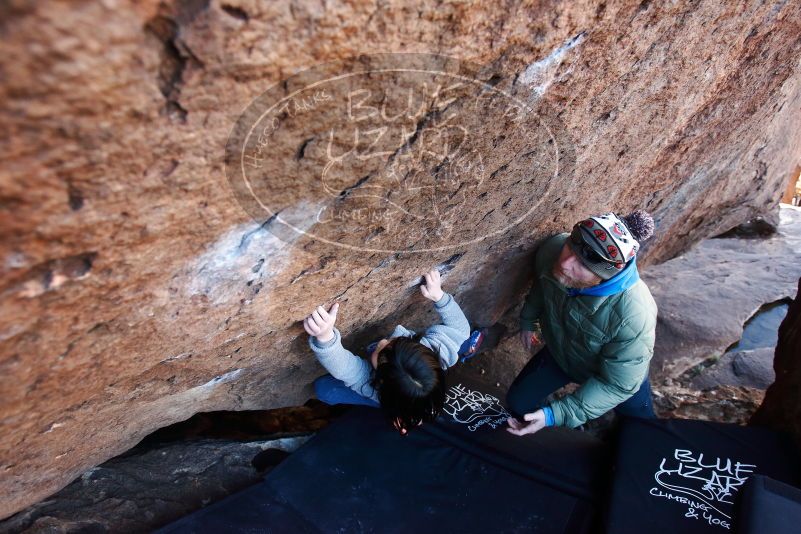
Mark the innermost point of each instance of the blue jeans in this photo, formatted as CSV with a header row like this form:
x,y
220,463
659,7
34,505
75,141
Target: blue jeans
x,y
333,391
542,376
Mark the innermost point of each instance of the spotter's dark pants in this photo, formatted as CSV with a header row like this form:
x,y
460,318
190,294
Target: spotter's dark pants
x,y
542,376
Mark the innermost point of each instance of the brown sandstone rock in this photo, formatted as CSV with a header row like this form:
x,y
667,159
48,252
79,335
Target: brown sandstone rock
x,y
723,403
137,291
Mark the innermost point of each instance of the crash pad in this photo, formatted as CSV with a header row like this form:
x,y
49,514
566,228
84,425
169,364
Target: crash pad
x,y
767,506
464,473
684,475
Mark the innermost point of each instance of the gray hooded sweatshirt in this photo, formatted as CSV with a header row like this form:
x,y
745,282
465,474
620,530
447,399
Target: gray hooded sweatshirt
x,y
357,373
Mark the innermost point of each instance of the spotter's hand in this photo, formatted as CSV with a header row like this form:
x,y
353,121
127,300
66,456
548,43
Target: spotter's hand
x,y
534,422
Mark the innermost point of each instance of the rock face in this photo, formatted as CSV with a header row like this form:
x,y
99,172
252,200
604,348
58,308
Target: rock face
x,y
781,408
722,403
147,488
748,368
707,294
142,281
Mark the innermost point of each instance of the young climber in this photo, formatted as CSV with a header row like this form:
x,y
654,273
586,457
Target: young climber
x,y
405,375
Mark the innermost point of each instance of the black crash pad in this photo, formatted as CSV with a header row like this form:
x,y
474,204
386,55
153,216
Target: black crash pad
x,y
684,476
767,506
464,473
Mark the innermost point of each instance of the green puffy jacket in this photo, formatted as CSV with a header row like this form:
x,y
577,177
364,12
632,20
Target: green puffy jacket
x,y
605,343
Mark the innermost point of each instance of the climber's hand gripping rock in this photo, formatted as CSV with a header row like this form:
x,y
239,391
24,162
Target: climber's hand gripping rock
x,y
320,323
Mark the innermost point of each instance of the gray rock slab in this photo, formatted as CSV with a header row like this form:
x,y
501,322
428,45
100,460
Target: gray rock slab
x,y
144,489
750,368
706,295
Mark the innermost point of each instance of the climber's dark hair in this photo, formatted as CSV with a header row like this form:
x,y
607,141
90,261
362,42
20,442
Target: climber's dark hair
x,y
410,383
